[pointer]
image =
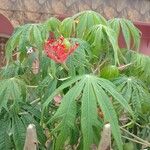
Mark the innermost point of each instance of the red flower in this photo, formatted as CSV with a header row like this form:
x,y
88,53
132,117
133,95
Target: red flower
x,y
58,50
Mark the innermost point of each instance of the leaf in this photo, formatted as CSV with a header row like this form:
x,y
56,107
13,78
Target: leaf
x,y
140,65
85,20
81,26
67,113
52,25
129,31
38,37
109,113
103,34
80,59
48,88
13,42
33,110
135,35
115,25
19,131
24,38
5,142
110,88
11,91
92,92
63,86
126,33
88,115
32,35
112,38
133,91
67,27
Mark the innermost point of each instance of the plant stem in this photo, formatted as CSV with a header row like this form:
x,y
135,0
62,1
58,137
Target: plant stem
x,y
65,67
35,101
133,140
127,124
124,66
99,65
32,86
136,137
140,125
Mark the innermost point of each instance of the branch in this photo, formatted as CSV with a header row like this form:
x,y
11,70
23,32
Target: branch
x,y
136,137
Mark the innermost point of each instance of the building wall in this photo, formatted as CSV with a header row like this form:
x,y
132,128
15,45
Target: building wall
x,y
24,11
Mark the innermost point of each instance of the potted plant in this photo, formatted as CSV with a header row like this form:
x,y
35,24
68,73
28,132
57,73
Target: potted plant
x,y
69,78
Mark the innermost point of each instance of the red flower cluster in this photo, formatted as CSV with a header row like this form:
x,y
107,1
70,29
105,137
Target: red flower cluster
x,y
58,50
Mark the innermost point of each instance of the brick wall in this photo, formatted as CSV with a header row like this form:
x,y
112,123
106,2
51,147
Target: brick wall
x,y
24,11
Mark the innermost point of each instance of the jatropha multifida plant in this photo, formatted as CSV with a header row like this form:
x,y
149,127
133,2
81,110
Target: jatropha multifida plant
x,y
83,80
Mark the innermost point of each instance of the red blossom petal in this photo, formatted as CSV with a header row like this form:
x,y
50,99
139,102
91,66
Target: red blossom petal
x,y
57,51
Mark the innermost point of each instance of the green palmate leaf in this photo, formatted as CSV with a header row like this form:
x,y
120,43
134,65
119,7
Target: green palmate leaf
x,y
135,34
37,34
67,114
19,130
10,70
63,86
115,25
12,91
67,27
133,90
14,125
43,32
126,33
140,65
81,26
109,113
79,61
46,65
118,97
129,32
13,42
25,36
5,143
47,86
85,20
103,39
33,110
52,25
91,91
89,118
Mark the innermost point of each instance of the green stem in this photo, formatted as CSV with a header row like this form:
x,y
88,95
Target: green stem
x,y
32,86
99,66
65,67
128,124
133,140
35,101
136,137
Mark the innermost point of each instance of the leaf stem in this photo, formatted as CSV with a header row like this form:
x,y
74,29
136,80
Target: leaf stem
x,y
65,67
99,65
136,137
133,140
